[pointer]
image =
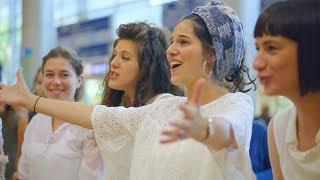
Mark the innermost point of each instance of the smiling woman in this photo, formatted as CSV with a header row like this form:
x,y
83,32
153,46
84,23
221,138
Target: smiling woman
x,y
50,142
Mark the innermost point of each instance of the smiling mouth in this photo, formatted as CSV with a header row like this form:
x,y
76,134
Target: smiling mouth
x,y
174,65
113,75
56,91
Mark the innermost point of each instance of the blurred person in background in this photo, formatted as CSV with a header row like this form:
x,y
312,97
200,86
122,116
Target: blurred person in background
x,y
3,157
14,121
36,88
288,62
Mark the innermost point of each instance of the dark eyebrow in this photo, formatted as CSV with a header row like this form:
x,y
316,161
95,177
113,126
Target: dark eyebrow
x,y
268,42
124,51
51,71
180,36
184,36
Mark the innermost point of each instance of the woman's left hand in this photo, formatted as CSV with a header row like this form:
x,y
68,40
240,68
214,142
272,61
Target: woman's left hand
x,y
17,94
193,125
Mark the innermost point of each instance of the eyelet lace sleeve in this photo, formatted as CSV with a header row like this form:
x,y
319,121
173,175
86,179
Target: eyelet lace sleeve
x,y
115,126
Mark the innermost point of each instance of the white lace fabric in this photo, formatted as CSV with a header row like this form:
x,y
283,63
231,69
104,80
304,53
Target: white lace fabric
x,y
130,137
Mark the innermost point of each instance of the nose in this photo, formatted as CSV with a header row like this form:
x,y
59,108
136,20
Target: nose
x,y
171,51
114,62
259,62
56,80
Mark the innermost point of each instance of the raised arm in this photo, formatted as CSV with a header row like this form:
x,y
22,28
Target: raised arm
x,y
19,94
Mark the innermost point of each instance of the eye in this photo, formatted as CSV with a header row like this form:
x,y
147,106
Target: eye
x,y
271,49
124,58
66,75
48,75
183,42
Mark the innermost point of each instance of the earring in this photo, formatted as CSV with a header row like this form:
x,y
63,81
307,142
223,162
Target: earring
x,y
205,74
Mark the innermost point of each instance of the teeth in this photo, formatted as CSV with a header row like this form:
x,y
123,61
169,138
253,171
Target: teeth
x,y
175,64
114,73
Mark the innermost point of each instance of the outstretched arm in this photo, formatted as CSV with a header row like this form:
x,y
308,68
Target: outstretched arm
x,y
19,95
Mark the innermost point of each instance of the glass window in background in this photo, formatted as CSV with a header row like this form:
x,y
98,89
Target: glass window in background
x,y
10,38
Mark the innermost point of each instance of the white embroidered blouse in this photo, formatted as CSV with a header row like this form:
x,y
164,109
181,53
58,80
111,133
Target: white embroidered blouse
x,y
129,139
68,153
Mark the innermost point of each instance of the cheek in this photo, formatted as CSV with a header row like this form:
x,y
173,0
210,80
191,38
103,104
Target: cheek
x,y
192,56
283,67
45,83
70,84
134,75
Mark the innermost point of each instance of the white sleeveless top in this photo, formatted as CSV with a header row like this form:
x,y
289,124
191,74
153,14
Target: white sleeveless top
x,y
295,165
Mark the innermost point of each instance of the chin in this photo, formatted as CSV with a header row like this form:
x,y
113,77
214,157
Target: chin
x,y
175,81
55,97
269,91
115,86
112,85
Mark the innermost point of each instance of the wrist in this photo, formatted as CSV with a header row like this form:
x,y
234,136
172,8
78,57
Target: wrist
x,y
30,101
209,130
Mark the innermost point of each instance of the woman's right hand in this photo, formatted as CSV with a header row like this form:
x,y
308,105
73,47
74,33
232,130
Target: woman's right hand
x,y
17,94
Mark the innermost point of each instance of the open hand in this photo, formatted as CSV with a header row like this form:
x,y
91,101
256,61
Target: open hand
x,y
15,94
192,125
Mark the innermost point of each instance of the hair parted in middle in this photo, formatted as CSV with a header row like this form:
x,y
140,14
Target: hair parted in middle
x,y
154,75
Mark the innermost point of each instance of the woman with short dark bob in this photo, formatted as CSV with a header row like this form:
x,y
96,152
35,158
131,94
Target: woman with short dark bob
x,y
288,62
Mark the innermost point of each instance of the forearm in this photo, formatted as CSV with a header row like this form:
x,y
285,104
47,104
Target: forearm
x,y
68,111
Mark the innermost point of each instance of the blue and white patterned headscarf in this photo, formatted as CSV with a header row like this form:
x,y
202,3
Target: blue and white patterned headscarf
x,y
226,33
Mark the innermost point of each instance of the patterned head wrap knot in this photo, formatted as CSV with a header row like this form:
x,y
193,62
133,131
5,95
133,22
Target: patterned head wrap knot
x,y
226,31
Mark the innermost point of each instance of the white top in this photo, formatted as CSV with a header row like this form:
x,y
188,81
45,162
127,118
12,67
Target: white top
x,y
295,165
68,153
130,137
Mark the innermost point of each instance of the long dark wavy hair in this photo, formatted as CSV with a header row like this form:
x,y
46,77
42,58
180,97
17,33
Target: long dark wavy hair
x,y
154,75
234,83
